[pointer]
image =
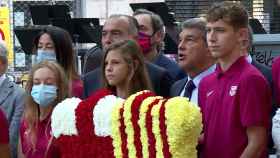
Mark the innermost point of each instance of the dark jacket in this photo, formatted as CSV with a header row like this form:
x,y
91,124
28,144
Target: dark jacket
x,y
177,87
171,66
92,59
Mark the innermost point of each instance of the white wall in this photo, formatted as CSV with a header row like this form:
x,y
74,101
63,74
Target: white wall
x,y
104,8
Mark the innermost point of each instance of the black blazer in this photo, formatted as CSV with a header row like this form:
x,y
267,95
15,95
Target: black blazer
x,y
266,71
160,78
177,87
171,66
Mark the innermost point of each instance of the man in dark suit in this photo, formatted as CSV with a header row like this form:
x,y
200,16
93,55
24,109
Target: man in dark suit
x,y
194,58
151,35
121,27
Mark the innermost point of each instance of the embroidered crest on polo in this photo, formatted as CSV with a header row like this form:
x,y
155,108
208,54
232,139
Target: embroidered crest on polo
x,y
232,90
209,93
101,114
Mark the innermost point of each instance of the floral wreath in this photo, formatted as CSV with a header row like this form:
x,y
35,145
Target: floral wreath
x,y
142,126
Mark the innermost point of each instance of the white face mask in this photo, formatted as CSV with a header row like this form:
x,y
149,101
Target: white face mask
x,y
45,55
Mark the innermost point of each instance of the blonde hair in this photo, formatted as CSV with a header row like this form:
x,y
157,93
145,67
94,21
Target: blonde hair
x,y
32,112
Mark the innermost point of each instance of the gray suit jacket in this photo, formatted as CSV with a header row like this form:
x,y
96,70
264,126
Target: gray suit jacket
x,y
92,59
12,104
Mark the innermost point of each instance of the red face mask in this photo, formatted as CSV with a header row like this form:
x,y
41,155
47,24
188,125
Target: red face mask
x,y
144,41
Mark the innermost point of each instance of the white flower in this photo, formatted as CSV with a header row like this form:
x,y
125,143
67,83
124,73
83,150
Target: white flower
x,y
102,114
63,119
276,130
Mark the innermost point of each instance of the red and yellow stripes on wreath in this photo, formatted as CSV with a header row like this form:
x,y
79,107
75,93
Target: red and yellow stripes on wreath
x,y
117,130
145,123
149,126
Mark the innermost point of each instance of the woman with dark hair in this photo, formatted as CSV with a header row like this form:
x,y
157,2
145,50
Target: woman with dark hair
x,y
54,43
4,136
46,87
123,69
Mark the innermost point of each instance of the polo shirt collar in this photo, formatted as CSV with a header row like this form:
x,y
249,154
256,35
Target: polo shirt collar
x,y
235,67
199,77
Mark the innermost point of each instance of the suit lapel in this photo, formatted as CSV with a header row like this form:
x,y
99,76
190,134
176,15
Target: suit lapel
x,y
5,90
181,86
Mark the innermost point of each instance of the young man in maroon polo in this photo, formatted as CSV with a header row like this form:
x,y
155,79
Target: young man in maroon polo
x,y
235,99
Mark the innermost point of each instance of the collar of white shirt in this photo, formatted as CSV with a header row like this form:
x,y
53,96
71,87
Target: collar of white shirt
x,y
249,58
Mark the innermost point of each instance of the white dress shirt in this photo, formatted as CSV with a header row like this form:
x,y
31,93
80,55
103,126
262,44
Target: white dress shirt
x,y
196,80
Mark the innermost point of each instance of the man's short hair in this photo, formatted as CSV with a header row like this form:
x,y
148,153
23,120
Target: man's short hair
x,y
3,52
232,13
195,23
132,22
156,20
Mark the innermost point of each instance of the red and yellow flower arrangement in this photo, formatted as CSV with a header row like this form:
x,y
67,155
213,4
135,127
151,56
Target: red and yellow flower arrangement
x,y
142,126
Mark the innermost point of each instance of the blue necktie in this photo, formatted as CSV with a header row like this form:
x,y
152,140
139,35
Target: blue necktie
x,y
188,89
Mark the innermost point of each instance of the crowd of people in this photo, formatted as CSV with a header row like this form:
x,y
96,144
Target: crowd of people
x,y
214,70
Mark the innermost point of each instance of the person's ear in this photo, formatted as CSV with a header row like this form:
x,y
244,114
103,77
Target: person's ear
x,y
242,37
243,34
158,36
